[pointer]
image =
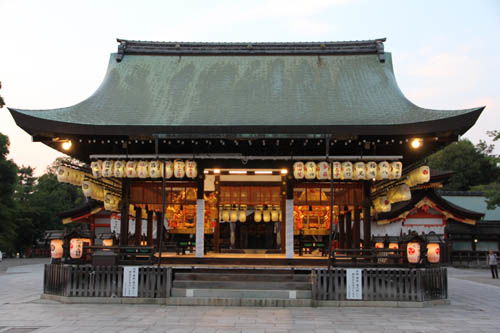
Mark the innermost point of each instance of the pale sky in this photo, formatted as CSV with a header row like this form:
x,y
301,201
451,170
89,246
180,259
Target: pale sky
x,y
55,53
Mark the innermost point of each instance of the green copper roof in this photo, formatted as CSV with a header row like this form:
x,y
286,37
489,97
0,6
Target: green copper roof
x,y
243,90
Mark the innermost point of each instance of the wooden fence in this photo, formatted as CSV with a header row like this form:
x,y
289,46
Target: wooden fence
x,y
104,281
383,284
470,258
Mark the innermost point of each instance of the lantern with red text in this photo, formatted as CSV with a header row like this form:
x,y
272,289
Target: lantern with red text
x,y
56,248
433,253
298,170
413,252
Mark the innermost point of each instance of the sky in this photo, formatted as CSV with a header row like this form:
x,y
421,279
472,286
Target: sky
x,y
55,53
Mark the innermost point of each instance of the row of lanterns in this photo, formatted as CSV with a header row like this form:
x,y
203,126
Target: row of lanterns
x,y
70,175
347,170
75,247
144,169
413,251
239,214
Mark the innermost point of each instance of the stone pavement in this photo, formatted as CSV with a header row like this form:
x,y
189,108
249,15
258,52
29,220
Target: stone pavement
x,y
475,307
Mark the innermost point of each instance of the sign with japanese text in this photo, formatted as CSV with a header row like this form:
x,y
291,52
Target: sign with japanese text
x,y
354,286
130,281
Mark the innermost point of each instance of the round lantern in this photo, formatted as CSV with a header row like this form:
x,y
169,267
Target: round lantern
x,y
299,170
393,246
191,169
119,169
347,170
76,248
107,169
382,204
155,169
131,169
169,169
242,215
371,170
179,169
225,215
433,253
142,169
266,215
323,171
337,170
87,188
383,170
275,214
56,248
233,215
107,242
413,252
419,176
399,193
310,170
62,174
359,171
396,170
96,167
379,245
258,215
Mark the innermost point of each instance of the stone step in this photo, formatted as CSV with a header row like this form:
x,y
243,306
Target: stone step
x,y
256,285
241,293
242,277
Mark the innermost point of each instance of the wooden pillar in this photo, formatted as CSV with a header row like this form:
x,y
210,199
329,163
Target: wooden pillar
x,y
159,226
138,226
150,227
367,219
356,228
286,200
348,229
124,213
341,232
217,224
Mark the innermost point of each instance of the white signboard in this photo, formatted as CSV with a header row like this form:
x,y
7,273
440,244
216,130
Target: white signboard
x,y
354,287
130,281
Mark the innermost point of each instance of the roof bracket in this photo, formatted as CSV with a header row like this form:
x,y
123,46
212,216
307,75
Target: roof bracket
x,y
380,50
121,50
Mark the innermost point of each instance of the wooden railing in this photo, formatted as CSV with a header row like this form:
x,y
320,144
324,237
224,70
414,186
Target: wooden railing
x,y
383,284
369,257
470,258
104,281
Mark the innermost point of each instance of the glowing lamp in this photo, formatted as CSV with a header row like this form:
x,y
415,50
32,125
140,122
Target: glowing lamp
x,y
379,245
433,253
66,145
56,248
107,242
416,143
393,246
413,252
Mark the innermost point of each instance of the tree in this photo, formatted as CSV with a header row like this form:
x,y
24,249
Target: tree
x,y
25,228
471,165
8,181
2,103
492,191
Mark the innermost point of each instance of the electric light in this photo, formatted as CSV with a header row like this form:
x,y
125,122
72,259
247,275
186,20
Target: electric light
x,y
66,145
284,171
416,143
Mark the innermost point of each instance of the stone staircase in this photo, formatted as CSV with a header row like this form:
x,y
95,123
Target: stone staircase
x,y
272,287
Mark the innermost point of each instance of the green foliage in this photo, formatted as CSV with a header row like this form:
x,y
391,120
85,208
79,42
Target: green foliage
x,y
491,192
472,166
8,181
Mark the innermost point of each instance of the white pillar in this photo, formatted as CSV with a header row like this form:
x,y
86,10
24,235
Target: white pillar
x,y
200,227
289,229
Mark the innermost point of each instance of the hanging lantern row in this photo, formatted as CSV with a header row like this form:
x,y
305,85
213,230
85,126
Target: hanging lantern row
x,y
70,175
348,170
144,169
382,204
418,176
239,214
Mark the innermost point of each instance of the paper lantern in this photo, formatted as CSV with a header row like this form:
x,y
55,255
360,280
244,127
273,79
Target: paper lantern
x,y
433,253
179,169
396,170
257,216
347,170
87,188
275,214
169,169
399,193
76,248
131,169
266,215
142,169
107,169
191,169
107,242
323,170
337,170
63,174
242,214
359,171
56,248
383,170
413,252
394,246
155,169
371,170
379,245
419,176
114,223
225,215
299,170
119,169
382,204
310,170
96,167
233,215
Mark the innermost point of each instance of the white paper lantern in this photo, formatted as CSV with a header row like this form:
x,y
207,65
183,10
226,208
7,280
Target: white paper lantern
x,y
191,169
359,171
87,188
418,176
257,216
169,169
131,169
76,248
56,248
347,170
142,169
323,171
393,246
233,215
96,167
310,170
382,204
63,174
119,169
396,170
399,193
337,170
114,223
107,169
383,170
379,245
433,253
275,214
179,169
155,169
242,214
299,170
371,170
413,252
266,215
225,215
